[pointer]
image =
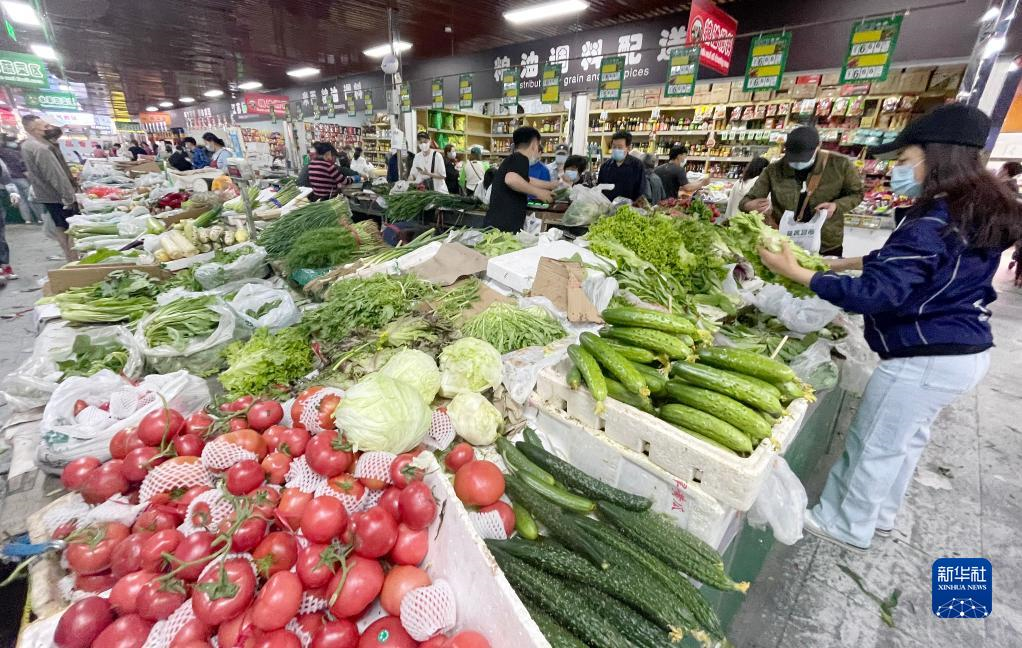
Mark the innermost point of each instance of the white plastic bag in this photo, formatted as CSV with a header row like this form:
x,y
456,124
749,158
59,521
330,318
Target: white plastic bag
x,y
781,503
815,367
202,356
806,235
799,314
860,360
251,265
253,296
587,205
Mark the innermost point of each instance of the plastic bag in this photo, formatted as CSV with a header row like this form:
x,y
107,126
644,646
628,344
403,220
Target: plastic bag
x,y
587,205
600,289
799,314
202,356
805,235
251,265
521,368
781,503
252,296
815,367
860,360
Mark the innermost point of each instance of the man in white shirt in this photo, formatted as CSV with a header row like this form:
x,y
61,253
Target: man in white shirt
x,y
428,166
557,166
362,166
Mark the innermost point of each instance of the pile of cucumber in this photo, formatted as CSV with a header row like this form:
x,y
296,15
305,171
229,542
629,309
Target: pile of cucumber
x,y
652,361
616,581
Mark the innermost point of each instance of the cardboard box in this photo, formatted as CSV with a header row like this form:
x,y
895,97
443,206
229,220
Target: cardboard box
x,y
561,283
719,96
888,85
830,78
946,79
738,95
763,95
74,276
787,82
193,212
915,80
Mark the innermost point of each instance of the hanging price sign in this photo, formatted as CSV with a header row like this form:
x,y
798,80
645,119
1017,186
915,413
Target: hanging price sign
x,y
870,49
406,98
682,70
437,90
612,77
768,55
509,82
551,90
465,99
367,98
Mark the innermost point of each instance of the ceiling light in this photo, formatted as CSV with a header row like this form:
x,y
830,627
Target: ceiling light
x,y
151,108
44,51
187,99
249,85
994,46
166,104
378,51
21,13
302,72
213,93
992,12
545,11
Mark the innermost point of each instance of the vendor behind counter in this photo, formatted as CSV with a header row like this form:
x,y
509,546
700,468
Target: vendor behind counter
x,y
512,184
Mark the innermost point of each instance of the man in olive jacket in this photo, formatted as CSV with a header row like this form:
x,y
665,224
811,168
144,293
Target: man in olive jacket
x,y
805,181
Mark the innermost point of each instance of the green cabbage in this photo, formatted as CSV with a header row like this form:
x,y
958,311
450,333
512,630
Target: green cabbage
x,y
381,413
475,418
417,369
469,365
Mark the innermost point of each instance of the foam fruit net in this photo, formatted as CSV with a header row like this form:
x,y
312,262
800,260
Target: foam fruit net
x,y
489,525
426,611
309,416
221,455
441,431
170,475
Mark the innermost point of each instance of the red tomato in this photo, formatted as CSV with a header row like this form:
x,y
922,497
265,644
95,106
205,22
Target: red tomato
x,y
401,473
292,503
418,508
124,595
459,455
181,503
361,587
95,583
386,633
192,548
127,555
399,581
326,454
248,535
104,482
339,633
199,424
75,472
64,530
467,639
189,643
325,417
193,632
119,442
244,477
277,552
277,639
293,441
310,622
313,567
158,600
375,532
238,424
139,462
189,445
82,623
92,551
263,414
275,466
155,519
391,501
159,543
347,484
507,515
411,546
243,403
238,632
129,631
323,519
264,501
479,483
78,407
436,641
278,601
159,425
233,583
249,440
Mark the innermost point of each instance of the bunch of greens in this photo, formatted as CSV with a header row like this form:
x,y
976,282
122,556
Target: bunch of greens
x,y
281,234
496,242
747,233
256,313
654,239
367,303
88,358
409,205
180,321
225,257
124,296
267,359
509,328
325,247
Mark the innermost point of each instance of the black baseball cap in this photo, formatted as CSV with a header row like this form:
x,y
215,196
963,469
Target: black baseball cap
x,y
801,144
953,123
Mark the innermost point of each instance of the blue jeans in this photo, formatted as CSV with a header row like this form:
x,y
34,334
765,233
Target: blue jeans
x,y
891,428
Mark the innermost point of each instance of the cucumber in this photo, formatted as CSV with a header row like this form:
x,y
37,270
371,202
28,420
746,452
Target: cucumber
x,y
707,425
655,380
530,436
656,341
723,407
793,390
614,363
525,524
633,353
618,392
722,382
565,604
557,495
582,483
517,461
574,378
555,633
748,363
752,380
591,373
651,319
642,631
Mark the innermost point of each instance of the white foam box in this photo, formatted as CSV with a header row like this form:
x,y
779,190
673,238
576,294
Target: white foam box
x,y
591,451
732,480
517,270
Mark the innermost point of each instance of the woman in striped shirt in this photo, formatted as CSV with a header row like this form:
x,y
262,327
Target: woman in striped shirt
x,y
325,177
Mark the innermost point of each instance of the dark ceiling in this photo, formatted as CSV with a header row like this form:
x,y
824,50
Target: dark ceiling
x,y
157,50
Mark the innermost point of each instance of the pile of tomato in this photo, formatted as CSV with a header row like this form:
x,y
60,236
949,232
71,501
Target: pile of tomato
x,y
247,575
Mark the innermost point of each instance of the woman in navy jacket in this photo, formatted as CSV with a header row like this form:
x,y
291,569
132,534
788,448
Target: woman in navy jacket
x,y
924,296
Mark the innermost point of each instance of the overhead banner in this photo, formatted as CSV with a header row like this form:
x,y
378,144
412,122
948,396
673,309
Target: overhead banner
x,y
465,98
551,92
870,49
367,98
509,82
768,55
612,78
260,104
52,100
349,101
23,70
682,71
714,31
406,98
437,89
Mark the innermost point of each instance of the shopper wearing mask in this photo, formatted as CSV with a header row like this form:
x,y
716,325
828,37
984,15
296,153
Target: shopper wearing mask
x,y
654,191
512,185
450,158
673,175
924,295
10,154
807,180
326,177
622,170
472,170
218,151
428,166
198,154
574,167
556,167
361,166
49,176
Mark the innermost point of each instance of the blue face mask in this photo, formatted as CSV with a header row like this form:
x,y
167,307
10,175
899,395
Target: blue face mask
x,y
571,175
618,154
903,181
802,166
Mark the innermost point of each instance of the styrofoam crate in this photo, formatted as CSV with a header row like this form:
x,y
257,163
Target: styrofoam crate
x,y
517,270
591,451
734,481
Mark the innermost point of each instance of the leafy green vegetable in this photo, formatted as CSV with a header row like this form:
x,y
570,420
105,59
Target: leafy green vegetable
x,y
88,358
653,238
282,233
256,313
267,359
409,205
496,242
747,233
469,365
178,322
124,296
509,328
325,247
225,257
383,414
416,368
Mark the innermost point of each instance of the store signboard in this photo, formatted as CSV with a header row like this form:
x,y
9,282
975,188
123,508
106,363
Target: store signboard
x,y
349,101
70,118
406,98
104,123
260,104
509,85
128,127
682,71
159,120
437,92
768,55
331,108
22,70
870,49
714,31
119,105
367,98
612,78
465,98
551,93
52,100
